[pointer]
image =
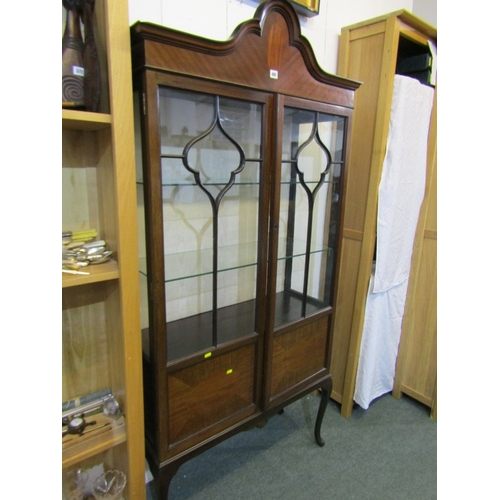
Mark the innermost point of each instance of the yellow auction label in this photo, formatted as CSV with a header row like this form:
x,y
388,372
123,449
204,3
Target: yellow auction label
x,y
229,371
208,354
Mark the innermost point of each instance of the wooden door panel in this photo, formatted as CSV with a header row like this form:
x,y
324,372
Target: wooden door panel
x,y
204,394
298,355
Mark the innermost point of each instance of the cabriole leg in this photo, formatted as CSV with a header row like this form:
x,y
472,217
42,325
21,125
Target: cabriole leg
x,y
326,390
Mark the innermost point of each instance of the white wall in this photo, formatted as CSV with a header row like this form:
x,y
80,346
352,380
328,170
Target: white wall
x,y
426,9
217,19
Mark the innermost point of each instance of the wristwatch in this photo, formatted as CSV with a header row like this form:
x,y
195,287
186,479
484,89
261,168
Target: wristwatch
x,y
77,425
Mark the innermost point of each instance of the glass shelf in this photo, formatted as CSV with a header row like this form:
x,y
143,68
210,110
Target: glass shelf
x,y
188,182
197,263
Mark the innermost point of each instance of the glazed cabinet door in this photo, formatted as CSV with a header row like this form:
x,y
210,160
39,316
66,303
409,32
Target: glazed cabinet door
x,y
306,211
204,267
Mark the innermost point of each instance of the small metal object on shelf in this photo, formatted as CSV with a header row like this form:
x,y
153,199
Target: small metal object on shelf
x,y
80,249
76,411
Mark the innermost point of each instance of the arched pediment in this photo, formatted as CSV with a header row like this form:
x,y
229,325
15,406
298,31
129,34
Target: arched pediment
x,y
267,52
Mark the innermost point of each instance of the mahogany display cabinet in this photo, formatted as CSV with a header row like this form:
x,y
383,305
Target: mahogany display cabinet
x,y
244,154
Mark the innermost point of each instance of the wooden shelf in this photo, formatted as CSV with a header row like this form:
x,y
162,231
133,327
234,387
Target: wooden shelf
x,y
84,120
235,322
77,448
99,272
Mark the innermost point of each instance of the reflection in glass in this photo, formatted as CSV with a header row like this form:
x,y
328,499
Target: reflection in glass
x,y
311,171
211,166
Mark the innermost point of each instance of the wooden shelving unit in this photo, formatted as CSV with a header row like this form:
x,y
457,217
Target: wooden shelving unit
x,y
101,339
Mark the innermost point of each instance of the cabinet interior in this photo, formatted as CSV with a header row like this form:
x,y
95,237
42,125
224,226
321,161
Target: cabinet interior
x,y
211,216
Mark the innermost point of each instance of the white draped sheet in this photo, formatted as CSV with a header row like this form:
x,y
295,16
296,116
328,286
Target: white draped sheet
x,y
401,192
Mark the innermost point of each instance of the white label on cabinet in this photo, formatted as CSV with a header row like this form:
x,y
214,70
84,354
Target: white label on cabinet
x,y
274,74
78,71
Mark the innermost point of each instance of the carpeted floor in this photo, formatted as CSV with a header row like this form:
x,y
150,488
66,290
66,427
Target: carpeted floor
x,y
388,452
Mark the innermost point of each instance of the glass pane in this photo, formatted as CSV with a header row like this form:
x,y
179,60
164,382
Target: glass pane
x,y
211,167
311,170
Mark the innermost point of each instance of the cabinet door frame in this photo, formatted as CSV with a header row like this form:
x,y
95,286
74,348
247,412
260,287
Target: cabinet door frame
x,y
158,328
282,102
